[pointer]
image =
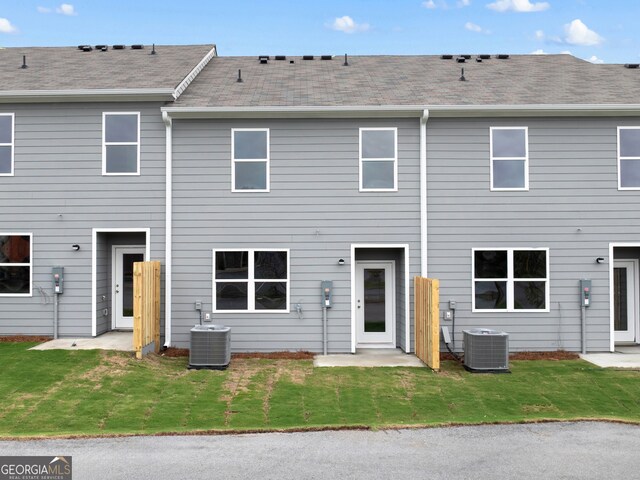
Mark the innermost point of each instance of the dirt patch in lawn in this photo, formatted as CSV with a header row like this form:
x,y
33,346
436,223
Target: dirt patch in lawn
x,y
114,365
299,355
175,352
24,338
554,355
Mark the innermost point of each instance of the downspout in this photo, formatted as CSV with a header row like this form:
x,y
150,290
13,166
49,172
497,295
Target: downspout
x,y
168,227
423,192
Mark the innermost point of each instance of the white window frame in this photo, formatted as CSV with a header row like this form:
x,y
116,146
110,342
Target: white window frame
x,y
30,264
394,159
621,159
105,143
510,281
12,144
525,158
251,281
267,161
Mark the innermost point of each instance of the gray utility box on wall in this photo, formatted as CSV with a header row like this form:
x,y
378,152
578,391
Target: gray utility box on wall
x,y
210,347
486,350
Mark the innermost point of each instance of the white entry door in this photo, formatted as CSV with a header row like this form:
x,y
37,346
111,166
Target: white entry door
x,y
375,304
124,258
624,300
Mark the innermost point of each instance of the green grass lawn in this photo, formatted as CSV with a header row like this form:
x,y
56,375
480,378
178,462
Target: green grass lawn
x,y
92,392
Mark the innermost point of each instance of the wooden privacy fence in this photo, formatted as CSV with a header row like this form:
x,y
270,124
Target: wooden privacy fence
x,y
146,307
427,318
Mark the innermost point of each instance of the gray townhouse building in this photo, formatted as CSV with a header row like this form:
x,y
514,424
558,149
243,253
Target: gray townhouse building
x,y
254,179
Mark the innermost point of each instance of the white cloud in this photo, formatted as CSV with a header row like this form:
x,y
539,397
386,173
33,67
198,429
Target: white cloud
x,y
472,27
594,59
430,4
577,33
43,9
6,27
66,9
539,52
463,3
347,25
518,6
567,52
539,35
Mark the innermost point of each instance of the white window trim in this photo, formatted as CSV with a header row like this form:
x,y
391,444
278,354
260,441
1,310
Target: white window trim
x,y
621,159
394,159
104,146
525,158
251,281
30,264
12,144
510,281
267,161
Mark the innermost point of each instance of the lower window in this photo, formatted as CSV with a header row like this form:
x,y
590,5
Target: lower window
x,y
15,264
511,279
250,280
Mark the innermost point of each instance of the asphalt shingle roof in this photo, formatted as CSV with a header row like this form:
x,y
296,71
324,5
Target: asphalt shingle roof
x,y
411,80
68,68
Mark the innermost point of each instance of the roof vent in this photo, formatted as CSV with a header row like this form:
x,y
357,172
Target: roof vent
x,y
263,57
307,57
87,48
153,49
466,57
484,57
326,57
118,47
137,47
631,65
446,57
280,57
502,56
100,47
462,79
346,61
239,80
292,62
478,59
81,47
461,60
24,62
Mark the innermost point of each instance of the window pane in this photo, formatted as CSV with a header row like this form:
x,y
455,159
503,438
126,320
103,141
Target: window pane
x,y
5,129
270,265
378,174
250,145
14,279
5,159
508,174
509,143
491,295
251,175
630,142
122,158
14,249
630,173
121,128
231,296
530,264
491,264
378,144
271,296
620,299
529,295
232,265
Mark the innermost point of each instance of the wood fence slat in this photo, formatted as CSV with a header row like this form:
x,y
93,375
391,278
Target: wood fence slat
x,y
146,307
427,320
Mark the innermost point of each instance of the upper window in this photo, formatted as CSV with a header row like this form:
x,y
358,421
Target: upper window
x,y
378,159
15,264
6,144
250,160
251,280
511,280
509,158
121,143
629,158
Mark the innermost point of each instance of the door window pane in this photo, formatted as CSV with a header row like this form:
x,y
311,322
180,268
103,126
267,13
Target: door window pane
x,y
374,300
620,309
128,260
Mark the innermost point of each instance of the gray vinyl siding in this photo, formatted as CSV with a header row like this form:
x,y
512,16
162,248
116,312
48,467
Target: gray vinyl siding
x,y
314,209
103,285
59,194
573,208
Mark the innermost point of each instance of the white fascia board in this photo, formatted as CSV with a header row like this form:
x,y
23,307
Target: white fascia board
x,y
182,86
562,110
87,95
296,112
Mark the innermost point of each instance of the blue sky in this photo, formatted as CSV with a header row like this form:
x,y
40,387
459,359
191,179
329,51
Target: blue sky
x,y
599,30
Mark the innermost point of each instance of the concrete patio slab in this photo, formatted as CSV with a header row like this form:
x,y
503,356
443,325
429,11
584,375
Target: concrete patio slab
x,y
369,357
623,357
122,341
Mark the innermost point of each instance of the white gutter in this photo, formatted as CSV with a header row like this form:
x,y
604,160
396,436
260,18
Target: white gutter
x,y
168,227
194,73
423,192
88,95
533,110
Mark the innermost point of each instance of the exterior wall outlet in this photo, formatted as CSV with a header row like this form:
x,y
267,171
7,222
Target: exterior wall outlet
x,y
447,315
198,305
